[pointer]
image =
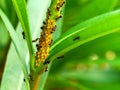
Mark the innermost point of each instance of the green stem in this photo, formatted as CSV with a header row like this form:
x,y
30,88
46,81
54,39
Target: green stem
x,y
38,72
26,27
34,81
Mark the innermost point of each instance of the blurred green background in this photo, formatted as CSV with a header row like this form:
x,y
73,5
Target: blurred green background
x,y
98,65
7,7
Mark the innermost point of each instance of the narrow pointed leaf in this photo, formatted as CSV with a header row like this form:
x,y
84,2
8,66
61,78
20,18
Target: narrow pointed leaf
x,y
17,44
85,32
21,10
13,72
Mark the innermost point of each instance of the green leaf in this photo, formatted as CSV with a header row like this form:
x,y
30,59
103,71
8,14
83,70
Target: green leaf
x,y
17,45
85,9
4,41
20,7
96,48
8,9
13,72
99,47
86,32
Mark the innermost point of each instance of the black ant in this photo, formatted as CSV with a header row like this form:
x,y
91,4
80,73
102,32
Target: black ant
x,y
35,40
58,17
23,35
42,27
76,38
24,79
46,68
46,62
60,57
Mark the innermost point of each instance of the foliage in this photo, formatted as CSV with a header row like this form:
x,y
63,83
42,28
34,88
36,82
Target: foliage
x,y
85,53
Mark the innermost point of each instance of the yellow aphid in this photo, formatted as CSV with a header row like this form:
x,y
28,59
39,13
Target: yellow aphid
x,y
38,56
38,60
61,2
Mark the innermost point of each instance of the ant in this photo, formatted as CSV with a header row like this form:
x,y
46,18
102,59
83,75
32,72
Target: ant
x,y
23,35
60,57
76,38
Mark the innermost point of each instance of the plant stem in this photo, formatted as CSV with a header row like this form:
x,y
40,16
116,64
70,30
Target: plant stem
x,y
34,79
49,26
34,83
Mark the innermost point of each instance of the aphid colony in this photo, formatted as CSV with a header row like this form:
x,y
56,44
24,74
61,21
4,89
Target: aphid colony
x,y
49,26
